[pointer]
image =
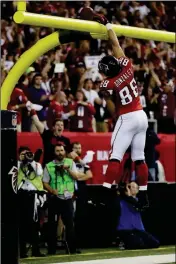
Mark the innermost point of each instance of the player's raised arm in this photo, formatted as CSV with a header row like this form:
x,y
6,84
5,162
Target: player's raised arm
x,y
117,50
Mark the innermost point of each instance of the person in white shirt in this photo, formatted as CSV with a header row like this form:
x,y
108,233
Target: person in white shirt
x,y
92,97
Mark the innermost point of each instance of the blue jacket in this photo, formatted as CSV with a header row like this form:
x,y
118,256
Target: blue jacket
x,y
35,97
130,218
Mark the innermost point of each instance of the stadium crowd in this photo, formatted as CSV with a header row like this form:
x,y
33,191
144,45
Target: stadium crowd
x,y
65,80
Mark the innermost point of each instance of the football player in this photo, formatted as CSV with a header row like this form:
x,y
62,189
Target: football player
x,y
132,122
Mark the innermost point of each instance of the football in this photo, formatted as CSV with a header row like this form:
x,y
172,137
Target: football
x,y
86,13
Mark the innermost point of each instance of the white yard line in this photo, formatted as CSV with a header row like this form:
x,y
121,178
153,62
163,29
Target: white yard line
x,y
153,259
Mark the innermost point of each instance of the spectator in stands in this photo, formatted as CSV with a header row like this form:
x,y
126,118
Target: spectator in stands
x,y
55,86
75,69
130,228
152,102
167,102
51,137
102,116
91,95
38,95
60,82
81,121
56,108
67,107
59,180
142,97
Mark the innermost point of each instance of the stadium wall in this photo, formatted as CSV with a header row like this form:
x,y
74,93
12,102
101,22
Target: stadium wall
x,y
159,219
100,144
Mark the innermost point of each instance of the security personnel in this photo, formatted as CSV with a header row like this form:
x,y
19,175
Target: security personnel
x,y
59,180
31,197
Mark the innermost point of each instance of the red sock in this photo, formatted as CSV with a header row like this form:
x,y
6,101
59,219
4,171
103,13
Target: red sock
x,y
142,174
112,172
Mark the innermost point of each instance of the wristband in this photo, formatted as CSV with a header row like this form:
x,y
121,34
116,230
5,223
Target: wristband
x,y
109,26
16,106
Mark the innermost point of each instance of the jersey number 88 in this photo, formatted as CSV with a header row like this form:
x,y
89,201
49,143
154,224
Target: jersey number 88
x,y
125,93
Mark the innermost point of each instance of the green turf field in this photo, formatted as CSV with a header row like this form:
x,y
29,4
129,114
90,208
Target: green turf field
x,y
92,254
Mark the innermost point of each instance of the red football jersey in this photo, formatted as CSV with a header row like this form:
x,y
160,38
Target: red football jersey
x,y
125,88
54,111
17,98
67,108
82,120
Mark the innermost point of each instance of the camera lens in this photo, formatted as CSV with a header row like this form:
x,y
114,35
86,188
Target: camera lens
x,y
29,155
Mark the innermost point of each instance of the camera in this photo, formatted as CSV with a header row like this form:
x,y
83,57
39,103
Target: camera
x,y
122,188
59,168
28,157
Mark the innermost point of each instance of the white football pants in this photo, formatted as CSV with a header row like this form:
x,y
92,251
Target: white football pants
x,y
130,129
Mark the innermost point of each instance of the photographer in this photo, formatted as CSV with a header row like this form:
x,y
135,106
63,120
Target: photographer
x,y
59,180
130,227
30,172
31,196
